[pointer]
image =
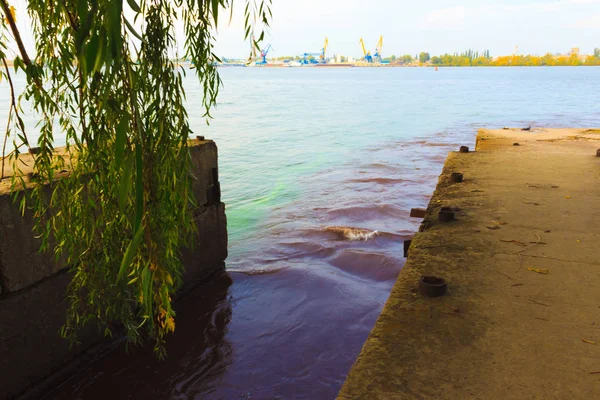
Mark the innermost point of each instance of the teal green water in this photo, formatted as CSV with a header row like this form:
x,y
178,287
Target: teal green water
x,y
302,150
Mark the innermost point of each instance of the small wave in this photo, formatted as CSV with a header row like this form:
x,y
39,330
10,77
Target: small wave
x,y
367,212
351,233
367,264
380,181
258,271
426,143
382,165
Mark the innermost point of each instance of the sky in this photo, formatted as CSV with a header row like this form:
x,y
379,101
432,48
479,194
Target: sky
x,y
409,26
434,26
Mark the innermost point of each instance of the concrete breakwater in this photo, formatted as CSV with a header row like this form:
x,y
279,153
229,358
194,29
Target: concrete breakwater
x,y
32,286
520,257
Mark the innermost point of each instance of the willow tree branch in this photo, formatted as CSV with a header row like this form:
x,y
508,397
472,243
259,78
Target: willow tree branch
x,y
13,105
15,31
5,140
13,100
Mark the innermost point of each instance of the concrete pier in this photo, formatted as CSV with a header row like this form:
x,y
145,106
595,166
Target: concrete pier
x,y
521,318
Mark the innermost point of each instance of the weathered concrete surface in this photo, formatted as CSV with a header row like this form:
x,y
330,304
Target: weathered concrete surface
x,y
32,306
503,331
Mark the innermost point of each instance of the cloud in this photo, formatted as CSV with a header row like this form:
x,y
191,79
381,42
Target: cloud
x,y
446,18
588,23
581,2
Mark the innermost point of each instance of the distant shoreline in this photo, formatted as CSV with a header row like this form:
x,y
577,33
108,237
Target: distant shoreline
x,y
349,65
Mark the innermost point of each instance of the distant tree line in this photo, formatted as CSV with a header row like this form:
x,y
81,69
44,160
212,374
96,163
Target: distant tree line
x,y
473,58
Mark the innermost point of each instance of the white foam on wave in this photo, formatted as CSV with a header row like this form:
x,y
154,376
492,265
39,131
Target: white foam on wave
x,y
352,233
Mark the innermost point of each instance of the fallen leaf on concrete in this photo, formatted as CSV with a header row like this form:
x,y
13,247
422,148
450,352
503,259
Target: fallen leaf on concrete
x,y
517,284
531,202
477,190
514,241
493,227
595,372
539,270
578,241
588,341
554,187
567,197
451,307
537,302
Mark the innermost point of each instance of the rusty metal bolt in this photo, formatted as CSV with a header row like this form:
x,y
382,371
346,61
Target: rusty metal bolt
x,y
464,149
432,286
446,214
407,247
456,177
418,212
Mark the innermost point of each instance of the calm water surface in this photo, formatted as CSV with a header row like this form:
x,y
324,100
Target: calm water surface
x,y
306,149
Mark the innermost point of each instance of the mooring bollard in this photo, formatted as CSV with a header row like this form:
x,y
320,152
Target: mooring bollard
x,y
464,149
418,212
407,247
446,214
432,286
456,177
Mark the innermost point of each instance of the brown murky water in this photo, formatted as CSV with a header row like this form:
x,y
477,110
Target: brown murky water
x,y
292,327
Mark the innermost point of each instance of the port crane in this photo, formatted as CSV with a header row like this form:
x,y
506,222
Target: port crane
x,y
376,57
366,54
321,55
263,54
324,50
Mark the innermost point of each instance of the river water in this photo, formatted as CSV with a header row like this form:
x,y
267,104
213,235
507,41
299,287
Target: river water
x,y
303,151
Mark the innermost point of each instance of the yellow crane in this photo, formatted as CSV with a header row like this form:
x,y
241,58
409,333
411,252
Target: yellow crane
x,y
367,54
377,55
324,49
363,48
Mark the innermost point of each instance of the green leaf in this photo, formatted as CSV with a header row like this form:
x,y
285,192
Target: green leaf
x,y
146,290
139,187
91,52
114,27
100,54
132,30
125,185
215,11
82,9
230,13
134,6
120,140
130,252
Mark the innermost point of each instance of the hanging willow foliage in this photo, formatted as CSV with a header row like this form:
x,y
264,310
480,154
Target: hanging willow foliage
x,y
105,78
